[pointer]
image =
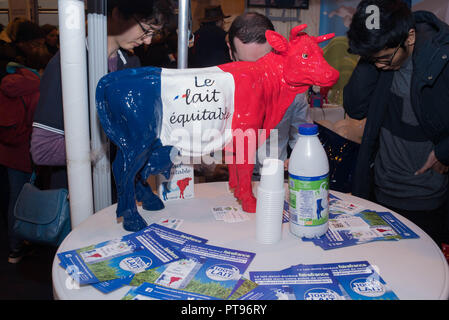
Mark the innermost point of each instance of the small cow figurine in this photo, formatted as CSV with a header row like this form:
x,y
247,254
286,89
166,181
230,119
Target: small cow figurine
x,y
154,114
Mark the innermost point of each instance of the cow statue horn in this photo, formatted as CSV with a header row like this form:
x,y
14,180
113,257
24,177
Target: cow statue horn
x,y
296,30
324,37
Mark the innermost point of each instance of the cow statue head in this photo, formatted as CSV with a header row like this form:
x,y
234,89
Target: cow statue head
x,y
304,63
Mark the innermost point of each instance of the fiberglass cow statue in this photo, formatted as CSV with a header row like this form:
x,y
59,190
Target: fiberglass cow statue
x,y
154,115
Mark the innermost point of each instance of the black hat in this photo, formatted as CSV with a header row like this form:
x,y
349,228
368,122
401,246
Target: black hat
x,y
213,13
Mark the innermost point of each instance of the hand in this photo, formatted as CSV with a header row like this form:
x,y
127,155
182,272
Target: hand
x,y
433,163
286,164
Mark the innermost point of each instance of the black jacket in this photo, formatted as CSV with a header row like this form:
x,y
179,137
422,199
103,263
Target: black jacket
x,y
210,48
367,91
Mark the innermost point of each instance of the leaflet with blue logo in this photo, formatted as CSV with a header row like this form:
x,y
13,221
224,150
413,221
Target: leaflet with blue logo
x,y
359,279
175,237
363,227
119,258
339,207
206,269
163,293
294,284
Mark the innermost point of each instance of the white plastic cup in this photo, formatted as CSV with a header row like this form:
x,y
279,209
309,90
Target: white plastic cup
x,y
272,175
269,212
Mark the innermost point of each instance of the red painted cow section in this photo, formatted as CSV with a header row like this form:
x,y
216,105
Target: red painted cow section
x,y
266,88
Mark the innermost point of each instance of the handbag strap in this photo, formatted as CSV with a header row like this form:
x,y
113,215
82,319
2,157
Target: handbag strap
x,y
33,177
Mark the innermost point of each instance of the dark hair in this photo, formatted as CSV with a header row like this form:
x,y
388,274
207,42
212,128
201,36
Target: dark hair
x,y
153,12
395,21
28,31
47,28
249,27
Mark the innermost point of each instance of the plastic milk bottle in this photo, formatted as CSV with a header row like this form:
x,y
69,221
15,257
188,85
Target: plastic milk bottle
x,y
308,185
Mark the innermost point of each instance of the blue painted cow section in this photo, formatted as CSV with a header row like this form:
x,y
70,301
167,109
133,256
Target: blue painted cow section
x,y
130,111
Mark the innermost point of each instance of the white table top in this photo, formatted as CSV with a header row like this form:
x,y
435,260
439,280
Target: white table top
x,y
413,268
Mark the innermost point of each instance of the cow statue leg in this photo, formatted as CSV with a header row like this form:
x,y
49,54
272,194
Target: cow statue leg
x,y
240,178
244,190
145,194
160,162
132,221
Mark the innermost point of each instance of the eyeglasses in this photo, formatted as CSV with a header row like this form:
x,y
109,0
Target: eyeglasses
x,y
387,62
146,32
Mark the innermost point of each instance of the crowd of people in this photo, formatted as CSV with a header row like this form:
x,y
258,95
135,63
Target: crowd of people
x,y
404,156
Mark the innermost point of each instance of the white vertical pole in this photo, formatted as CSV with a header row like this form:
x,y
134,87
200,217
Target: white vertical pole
x,y
76,109
98,67
183,30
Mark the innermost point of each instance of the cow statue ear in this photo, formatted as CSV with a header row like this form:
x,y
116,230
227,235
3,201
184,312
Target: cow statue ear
x,y
276,41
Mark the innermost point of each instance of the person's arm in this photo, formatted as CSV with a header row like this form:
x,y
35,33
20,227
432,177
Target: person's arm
x,y
442,152
47,148
359,89
442,148
300,116
433,163
438,159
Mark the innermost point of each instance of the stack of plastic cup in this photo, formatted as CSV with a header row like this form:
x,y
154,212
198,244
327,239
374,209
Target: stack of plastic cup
x,y
270,202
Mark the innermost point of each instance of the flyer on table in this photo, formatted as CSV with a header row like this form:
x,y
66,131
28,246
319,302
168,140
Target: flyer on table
x,y
359,279
292,284
363,227
174,237
208,270
119,258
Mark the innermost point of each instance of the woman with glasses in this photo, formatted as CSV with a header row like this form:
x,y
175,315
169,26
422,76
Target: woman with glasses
x,y
401,86
130,23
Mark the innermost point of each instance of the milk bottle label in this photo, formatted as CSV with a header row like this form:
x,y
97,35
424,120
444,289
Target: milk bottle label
x,y
309,200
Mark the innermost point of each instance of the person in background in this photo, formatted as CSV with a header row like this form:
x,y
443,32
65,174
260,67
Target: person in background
x,y
209,47
7,54
130,23
401,86
19,93
51,38
8,49
162,51
247,42
8,34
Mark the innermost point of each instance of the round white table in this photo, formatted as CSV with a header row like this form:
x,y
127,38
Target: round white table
x,y
413,268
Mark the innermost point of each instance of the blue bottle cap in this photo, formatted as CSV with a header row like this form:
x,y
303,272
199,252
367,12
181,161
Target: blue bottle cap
x,y
308,129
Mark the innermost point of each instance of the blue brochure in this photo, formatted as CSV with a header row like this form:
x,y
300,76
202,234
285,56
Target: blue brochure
x,y
363,227
119,258
359,279
206,269
294,284
175,237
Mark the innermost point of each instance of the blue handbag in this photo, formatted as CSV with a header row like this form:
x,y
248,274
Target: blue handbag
x,y
42,216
